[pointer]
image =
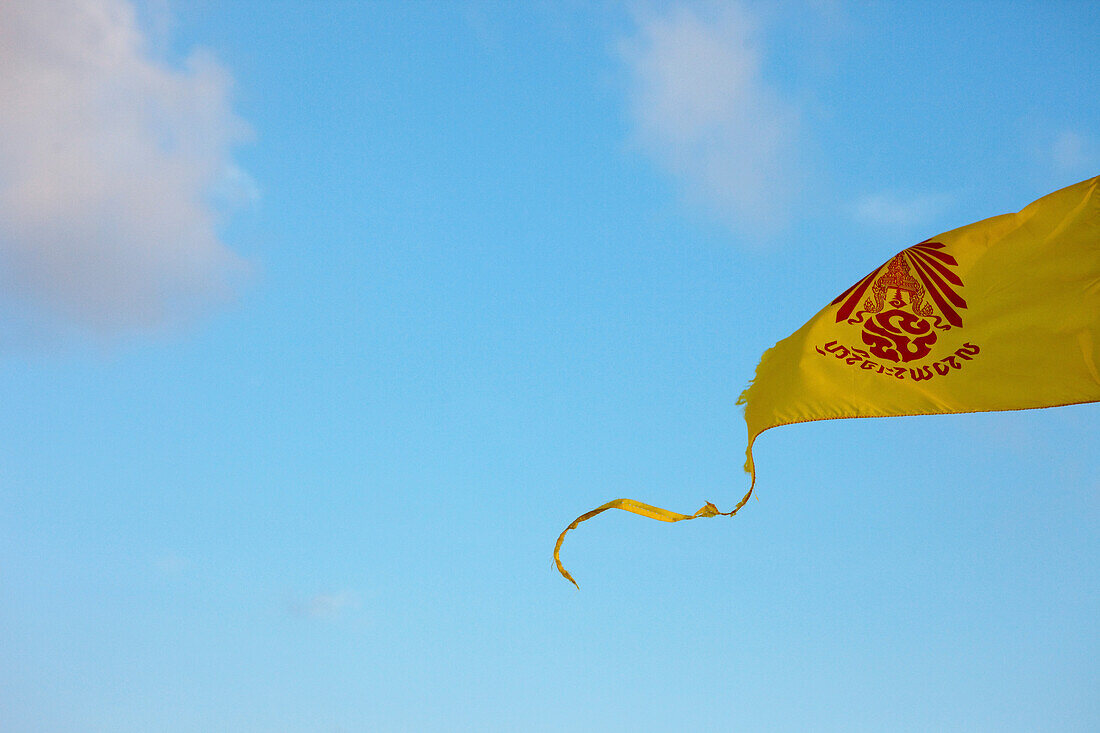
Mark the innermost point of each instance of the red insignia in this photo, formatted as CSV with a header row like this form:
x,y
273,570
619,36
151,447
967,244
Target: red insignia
x,y
908,300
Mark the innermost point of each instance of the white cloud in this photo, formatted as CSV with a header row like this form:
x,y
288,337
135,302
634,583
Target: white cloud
x,y
1072,151
328,606
703,109
172,563
900,211
112,167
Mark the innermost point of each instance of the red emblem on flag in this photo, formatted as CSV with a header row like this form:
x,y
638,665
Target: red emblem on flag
x,y
903,303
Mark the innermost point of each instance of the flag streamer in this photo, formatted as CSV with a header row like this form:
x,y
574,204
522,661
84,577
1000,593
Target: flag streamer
x,y
645,510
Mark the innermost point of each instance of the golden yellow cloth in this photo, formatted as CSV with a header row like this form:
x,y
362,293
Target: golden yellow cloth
x,y
1003,314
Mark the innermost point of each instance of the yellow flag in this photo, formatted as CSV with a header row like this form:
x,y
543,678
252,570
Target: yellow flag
x,y
1003,314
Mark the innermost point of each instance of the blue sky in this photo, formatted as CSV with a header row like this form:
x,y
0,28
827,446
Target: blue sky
x,y
321,320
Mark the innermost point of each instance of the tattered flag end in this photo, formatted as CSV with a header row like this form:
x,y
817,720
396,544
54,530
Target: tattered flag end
x,y
645,510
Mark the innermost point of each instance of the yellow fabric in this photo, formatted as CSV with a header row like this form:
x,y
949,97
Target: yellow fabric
x,y
1014,305
1003,314
637,507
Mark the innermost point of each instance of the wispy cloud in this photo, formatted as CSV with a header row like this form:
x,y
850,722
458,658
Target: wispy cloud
x,y
1074,152
327,606
112,167
172,563
899,211
704,111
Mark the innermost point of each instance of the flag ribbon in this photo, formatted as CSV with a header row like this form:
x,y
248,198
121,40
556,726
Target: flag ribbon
x,y
645,510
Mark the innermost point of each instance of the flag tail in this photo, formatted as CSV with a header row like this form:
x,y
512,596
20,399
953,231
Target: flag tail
x,y
645,510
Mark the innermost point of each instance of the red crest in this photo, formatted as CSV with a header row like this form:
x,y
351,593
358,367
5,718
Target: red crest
x,y
903,303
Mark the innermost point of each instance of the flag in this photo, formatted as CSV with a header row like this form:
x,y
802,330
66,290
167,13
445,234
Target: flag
x,y
1002,314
